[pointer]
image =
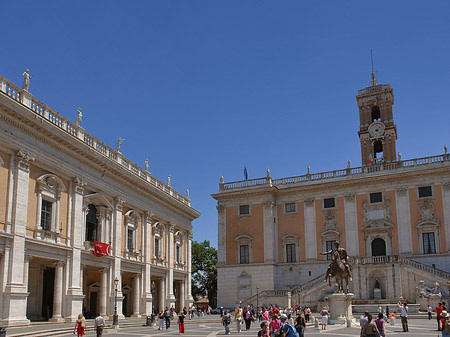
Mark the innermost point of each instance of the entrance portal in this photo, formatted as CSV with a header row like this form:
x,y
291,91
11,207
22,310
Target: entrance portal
x,y
48,283
378,247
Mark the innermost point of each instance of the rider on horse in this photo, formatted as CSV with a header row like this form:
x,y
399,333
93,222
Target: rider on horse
x,y
337,255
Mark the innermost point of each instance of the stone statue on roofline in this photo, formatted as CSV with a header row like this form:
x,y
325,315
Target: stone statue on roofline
x,y
26,80
119,143
79,117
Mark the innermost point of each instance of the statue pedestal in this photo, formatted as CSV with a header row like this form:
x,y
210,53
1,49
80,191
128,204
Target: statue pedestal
x,y
340,307
377,294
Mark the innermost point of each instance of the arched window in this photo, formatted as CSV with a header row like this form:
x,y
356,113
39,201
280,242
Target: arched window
x,y
91,223
378,247
376,116
378,149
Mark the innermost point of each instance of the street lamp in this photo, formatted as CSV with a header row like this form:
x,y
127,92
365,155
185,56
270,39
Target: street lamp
x,y
257,301
115,317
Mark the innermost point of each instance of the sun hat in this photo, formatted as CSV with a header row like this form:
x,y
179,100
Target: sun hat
x,y
444,313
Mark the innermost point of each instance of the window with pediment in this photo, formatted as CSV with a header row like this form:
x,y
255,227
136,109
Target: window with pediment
x,y
178,238
49,188
428,229
158,234
132,220
291,248
244,249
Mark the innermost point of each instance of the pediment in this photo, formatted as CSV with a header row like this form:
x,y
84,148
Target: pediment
x,y
428,223
98,199
378,224
331,232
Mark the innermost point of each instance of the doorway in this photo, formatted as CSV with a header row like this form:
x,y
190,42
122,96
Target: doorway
x,y
378,247
48,283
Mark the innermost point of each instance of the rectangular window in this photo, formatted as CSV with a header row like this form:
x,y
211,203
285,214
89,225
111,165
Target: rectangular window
x,y
425,191
177,254
328,203
156,248
290,253
244,210
46,215
428,243
376,197
244,257
130,240
289,208
329,246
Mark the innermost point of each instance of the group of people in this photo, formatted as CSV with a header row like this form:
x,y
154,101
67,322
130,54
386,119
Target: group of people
x,y
274,321
442,318
167,315
371,327
80,325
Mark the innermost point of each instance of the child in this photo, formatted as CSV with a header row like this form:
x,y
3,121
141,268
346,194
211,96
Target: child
x,y
181,322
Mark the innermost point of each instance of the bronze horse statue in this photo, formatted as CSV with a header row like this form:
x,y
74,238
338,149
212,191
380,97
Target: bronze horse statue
x,y
339,268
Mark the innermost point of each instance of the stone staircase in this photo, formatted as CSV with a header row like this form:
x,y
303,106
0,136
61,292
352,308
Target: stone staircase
x,y
315,292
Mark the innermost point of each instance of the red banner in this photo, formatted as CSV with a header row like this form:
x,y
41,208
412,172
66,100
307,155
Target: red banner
x,y
101,249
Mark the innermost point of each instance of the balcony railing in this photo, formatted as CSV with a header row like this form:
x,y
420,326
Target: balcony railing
x,y
353,172
375,88
26,99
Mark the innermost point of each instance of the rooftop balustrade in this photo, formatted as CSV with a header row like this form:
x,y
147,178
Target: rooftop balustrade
x,y
38,108
347,173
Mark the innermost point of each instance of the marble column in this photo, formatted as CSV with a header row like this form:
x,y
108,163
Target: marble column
x,y
136,295
182,294
147,298
103,291
58,292
75,285
222,235
189,267
162,294
170,257
310,230
15,293
446,206
403,221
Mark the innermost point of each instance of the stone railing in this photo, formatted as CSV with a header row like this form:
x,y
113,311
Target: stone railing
x,y
264,294
336,174
25,98
308,285
426,268
374,88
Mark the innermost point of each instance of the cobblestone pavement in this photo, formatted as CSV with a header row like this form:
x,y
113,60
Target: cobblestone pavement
x,y
417,328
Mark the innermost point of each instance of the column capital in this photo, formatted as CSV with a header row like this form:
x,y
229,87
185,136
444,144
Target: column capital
x,y
119,203
446,185
309,202
402,190
28,258
171,227
59,263
23,160
190,235
79,185
350,196
148,216
220,208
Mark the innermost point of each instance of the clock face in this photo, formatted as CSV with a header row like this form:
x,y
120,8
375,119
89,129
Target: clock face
x,y
376,130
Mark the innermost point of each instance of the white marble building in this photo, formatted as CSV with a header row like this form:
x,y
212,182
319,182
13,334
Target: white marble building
x,y
62,189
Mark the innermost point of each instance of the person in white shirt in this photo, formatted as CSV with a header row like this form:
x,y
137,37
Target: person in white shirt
x,y
404,315
99,324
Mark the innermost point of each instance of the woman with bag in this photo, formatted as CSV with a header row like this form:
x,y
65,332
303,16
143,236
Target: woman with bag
x,y
300,325
238,317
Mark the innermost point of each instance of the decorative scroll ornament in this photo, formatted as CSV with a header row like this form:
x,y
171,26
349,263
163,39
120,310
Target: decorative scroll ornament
x,y
350,196
330,220
119,203
426,210
23,160
402,190
79,185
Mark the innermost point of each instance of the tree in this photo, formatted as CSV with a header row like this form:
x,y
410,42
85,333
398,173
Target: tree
x,y
204,271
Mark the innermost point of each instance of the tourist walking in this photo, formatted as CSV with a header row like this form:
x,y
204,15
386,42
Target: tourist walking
x,y
362,321
167,315
287,330
264,332
445,326
248,317
438,315
238,318
381,324
404,316
80,325
161,320
181,322
370,329
300,325
226,321
275,324
324,314
99,324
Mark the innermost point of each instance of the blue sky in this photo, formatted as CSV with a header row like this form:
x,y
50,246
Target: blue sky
x,y
202,87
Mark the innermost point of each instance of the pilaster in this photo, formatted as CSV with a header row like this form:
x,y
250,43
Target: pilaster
x,y
351,225
222,235
269,234
310,230
403,221
170,258
446,206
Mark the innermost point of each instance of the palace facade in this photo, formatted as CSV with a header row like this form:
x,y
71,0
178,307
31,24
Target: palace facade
x,y
82,228
392,216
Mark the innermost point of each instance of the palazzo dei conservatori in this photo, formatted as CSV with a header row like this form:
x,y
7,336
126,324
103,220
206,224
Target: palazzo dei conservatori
x,y
390,213
82,227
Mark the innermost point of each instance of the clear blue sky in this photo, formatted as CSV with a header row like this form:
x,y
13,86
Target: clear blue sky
x,y
202,87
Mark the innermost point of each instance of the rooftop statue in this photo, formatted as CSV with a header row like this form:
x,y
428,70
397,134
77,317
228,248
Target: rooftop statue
x,y
339,267
26,80
119,143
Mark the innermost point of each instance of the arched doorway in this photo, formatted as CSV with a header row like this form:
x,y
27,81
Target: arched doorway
x,y
378,247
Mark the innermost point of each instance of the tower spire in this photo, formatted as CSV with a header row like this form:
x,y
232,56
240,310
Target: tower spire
x,y
373,82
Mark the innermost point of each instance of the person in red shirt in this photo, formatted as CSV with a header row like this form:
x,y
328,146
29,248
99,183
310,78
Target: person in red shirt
x,y
276,311
438,315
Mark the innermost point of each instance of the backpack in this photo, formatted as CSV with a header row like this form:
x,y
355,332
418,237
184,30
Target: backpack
x,y
292,331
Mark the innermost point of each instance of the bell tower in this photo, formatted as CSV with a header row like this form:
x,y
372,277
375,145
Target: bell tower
x,y
377,131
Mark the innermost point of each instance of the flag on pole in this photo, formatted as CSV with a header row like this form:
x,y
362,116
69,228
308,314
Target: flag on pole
x,y
371,157
245,173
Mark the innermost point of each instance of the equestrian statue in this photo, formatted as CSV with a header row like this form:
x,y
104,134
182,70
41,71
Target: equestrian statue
x,y
339,268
